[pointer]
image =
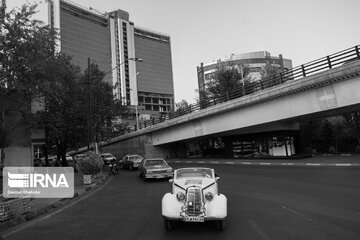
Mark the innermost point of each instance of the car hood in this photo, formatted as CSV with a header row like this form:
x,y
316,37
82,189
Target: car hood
x,y
154,167
198,182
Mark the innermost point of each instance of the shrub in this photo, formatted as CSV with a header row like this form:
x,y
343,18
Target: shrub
x,y
91,164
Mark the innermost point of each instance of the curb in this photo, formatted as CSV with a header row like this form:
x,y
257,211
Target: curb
x,y
269,163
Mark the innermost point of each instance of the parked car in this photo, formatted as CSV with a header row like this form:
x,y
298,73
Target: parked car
x,y
107,158
131,161
194,198
155,168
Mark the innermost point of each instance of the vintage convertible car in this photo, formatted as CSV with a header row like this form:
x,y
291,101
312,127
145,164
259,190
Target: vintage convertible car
x,y
194,198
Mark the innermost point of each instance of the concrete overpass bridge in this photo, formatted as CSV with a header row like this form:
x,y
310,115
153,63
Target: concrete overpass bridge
x,y
271,108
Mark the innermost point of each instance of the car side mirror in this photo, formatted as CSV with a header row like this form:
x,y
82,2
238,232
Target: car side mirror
x,y
217,179
171,180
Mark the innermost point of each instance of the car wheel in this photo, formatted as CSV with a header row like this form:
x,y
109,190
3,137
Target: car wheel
x,y
121,165
220,225
168,224
131,167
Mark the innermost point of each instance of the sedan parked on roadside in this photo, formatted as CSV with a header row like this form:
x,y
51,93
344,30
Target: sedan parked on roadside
x,y
107,158
131,161
155,168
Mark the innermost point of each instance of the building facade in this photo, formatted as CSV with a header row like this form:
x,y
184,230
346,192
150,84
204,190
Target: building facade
x,y
254,60
113,42
155,91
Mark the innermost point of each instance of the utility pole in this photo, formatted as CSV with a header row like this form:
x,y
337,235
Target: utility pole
x,y
89,122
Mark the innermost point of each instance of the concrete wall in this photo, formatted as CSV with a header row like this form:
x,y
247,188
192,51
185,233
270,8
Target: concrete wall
x,y
143,145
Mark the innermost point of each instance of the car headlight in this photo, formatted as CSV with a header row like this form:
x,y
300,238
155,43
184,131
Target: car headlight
x,y
169,170
180,196
209,196
183,208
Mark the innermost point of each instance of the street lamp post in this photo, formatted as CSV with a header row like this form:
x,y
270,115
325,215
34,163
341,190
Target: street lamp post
x,y
136,105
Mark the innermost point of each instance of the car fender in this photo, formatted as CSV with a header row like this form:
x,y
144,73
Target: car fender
x,y
170,206
217,207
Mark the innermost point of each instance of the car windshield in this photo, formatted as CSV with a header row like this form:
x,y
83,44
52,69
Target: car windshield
x,y
194,173
137,158
151,162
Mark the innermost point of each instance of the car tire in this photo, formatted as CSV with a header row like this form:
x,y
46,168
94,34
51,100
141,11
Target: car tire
x,y
168,224
121,165
220,225
131,167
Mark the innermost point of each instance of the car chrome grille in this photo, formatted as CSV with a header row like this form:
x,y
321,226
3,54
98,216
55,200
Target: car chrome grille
x,y
194,201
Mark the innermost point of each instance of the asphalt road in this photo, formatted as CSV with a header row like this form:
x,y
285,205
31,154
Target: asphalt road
x,y
263,203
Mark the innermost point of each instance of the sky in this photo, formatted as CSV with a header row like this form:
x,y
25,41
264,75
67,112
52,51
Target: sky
x,y
207,30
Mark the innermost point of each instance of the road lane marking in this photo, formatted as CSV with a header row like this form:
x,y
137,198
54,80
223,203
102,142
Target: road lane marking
x,y
200,161
177,161
246,163
215,162
188,161
313,164
229,162
287,164
259,230
343,164
298,214
267,164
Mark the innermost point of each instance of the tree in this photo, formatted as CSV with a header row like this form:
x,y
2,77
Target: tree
x,y
63,116
66,101
227,77
25,46
334,127
106,111
181,106
354,122
269,71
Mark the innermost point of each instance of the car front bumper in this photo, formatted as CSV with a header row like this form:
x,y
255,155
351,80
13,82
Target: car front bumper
x,y
159,175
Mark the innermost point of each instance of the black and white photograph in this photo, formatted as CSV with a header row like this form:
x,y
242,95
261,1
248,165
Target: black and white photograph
x,y
165,119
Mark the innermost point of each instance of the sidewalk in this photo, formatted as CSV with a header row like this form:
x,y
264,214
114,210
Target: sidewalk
x,y
315,161
41,206
79,188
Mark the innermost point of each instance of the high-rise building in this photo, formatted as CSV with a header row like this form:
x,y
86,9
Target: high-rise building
x,y
113,42
155,91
